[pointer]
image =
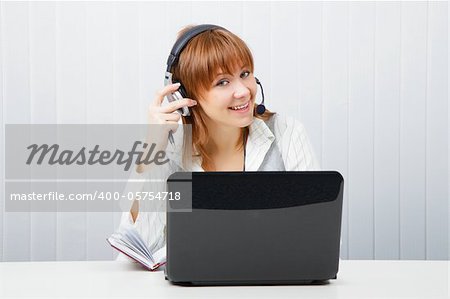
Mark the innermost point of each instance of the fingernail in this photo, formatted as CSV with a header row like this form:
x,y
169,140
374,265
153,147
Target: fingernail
x,y
178,84
194,102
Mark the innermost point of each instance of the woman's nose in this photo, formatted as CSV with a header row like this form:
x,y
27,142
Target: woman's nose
x,y
241,90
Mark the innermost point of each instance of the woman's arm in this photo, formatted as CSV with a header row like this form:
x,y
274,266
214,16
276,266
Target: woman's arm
x,y
158,115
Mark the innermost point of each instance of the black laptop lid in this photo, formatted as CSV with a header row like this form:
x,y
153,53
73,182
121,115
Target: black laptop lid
x,y
255,227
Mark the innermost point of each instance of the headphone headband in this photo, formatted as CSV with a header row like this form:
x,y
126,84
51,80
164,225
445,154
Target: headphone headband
x,y
181,43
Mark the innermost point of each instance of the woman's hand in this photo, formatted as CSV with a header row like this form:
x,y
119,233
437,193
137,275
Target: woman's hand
x,y
167,114
163,119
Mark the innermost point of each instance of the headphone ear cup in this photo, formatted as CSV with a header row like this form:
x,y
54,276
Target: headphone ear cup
x,y
179,95
182,91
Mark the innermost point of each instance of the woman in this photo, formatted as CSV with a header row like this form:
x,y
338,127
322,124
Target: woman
x,y
215,69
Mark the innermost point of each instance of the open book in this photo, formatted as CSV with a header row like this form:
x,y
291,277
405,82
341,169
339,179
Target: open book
x,y
128,241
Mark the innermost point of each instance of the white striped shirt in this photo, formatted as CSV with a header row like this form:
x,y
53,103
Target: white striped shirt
x,y
292,141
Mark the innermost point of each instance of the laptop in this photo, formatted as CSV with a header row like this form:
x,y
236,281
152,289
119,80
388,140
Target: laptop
x,y
254,228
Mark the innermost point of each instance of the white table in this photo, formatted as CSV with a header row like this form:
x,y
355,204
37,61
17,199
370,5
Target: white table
x,y
356,279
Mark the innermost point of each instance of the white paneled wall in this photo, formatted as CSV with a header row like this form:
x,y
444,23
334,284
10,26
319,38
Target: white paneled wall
x,y
2,137
99,107
448,130
361,91
335,96
368,79
437,135
43,108
17,108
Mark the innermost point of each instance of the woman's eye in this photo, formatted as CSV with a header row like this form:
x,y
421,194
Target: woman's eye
x,y
245,74
222,83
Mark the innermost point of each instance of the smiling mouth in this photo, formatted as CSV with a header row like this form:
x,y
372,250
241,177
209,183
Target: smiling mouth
x,y
241,107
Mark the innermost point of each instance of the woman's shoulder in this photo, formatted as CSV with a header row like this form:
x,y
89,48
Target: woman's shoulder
x,y
286,125
293,141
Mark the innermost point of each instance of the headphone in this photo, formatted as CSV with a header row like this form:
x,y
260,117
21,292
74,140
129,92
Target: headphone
x,y
174,56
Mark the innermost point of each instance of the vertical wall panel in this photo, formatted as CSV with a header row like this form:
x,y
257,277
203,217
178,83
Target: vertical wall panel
x,y
256,23
437,178
2,137
412,131
16,100
285,90
43,111
126,62
99,39
126,65
152,62
361,128
71,109
309,62
386,131
335,101
448,144
99,110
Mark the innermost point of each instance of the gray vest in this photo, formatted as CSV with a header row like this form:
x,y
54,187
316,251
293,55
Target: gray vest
x,y
273,161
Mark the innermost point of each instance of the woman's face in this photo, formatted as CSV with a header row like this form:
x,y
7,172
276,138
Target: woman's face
x,y
229,101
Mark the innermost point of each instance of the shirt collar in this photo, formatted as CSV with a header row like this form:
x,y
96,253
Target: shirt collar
x,y
259,140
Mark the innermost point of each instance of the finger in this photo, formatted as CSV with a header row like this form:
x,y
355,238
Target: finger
x,y
160,94
172,116
173,106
